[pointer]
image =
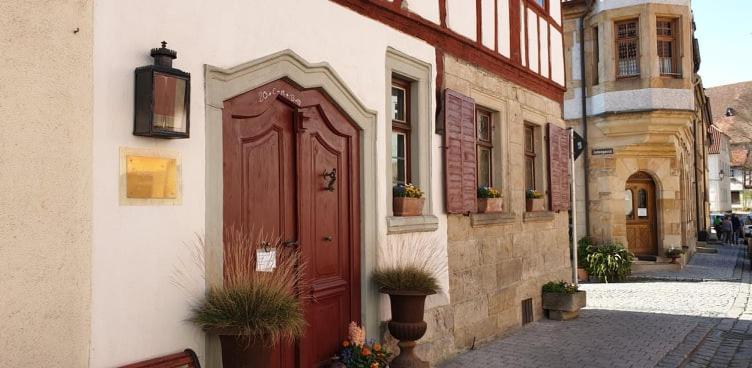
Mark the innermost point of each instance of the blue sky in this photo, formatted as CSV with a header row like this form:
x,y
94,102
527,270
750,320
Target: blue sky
x,y
724,29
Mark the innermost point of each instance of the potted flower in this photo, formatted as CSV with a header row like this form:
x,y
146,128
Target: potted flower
x,y
609,262
408,275
674,253
563,300
489,200
534,201
358,352
407,200
257,306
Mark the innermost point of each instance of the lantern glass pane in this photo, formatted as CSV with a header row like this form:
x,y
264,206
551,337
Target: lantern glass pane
x,y
169,103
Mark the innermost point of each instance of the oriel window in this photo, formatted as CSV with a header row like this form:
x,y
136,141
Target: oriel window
x,y
401,128
667,50
484,144
627,49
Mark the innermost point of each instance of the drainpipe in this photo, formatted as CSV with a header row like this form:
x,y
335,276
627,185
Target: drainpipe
x,y
583,88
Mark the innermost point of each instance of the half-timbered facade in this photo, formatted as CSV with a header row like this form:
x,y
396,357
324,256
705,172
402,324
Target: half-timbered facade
x,y
303,116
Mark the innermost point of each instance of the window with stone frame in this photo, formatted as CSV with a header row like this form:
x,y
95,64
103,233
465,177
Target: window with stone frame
x,y
747,179
596,55
667,43
401,128
531,156
484,125
627,48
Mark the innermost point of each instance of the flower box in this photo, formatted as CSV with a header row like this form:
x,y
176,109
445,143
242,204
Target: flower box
x,y
487,205
535,204
564,306
406,206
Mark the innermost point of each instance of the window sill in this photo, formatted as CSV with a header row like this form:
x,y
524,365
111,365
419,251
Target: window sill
x,y
495,218
538,216
411,224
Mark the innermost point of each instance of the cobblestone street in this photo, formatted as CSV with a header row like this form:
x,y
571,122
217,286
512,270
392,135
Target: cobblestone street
x,y
645,323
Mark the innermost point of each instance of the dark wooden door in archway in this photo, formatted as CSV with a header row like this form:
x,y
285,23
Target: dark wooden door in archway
x,y
640,210
279,142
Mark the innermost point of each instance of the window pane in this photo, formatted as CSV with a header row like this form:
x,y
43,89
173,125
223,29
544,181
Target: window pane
x,y
541,3
628,203
642,204
483,123
484,167
627,49
529,140
398,103
399,157
529,173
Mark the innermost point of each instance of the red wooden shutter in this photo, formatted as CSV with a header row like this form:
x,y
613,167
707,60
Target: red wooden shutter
x,y
558,168
459,153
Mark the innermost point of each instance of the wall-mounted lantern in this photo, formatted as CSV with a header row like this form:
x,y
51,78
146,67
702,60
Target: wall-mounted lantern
x,y
162,100
721,174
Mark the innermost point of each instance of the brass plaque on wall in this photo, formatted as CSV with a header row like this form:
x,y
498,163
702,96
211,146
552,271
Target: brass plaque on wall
x,y
151,177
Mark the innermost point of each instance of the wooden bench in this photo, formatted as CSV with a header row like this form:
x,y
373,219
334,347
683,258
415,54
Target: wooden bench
x,y
186,359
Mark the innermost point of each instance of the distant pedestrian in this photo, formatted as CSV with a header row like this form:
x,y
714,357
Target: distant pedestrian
x,y
736,225
728,229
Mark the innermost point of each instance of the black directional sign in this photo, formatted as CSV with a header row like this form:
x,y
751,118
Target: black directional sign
x,y
579,145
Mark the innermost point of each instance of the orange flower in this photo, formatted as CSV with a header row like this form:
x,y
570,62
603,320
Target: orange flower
x,y
375,365
377,347
365,352
345,343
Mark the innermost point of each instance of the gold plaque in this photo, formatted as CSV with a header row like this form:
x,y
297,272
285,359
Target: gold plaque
x,y
151,177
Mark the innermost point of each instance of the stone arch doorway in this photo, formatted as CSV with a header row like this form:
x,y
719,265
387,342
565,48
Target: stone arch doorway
x,y
641,214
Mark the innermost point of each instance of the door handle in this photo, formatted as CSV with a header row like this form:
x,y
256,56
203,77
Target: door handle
x,y
332,176
290,243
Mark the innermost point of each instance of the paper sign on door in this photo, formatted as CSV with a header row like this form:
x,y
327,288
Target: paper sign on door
x,y
266,260
642,212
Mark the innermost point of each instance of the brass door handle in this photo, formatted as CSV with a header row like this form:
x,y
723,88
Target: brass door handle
x,y
328,238
290,243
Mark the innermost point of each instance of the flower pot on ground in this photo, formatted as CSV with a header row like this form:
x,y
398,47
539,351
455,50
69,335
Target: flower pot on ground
x,y
562,300
408,278
407,200
583,250
674,253
534,201
582,275
358,352
489,200
609,262
257,307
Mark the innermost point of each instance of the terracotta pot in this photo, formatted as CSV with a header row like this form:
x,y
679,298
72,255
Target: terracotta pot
x,y
407,326
582,275
535,204
486,205
404,206
238,353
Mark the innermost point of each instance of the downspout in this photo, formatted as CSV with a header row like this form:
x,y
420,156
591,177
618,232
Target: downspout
x,y
583,88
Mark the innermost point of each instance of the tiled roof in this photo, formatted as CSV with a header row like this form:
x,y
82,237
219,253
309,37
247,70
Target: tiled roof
x,y
738,98
739,157
715,144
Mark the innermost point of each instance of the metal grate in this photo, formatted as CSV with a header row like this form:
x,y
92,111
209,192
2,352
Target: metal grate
x,y
527,311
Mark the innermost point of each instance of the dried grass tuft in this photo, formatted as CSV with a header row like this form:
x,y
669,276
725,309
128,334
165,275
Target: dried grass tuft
x,y
410,263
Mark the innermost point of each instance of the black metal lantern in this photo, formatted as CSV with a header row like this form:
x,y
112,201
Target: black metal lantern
x,y
162,98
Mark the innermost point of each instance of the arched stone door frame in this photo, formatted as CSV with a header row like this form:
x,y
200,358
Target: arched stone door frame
x,y
222,84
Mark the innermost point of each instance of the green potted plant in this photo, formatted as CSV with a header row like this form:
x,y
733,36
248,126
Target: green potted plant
x,y
408,274
609,262
563,300
258,305
583,250
674,253
407,200
534,201
489,200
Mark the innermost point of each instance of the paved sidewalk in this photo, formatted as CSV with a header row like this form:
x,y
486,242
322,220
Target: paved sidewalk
x,y
643,324
721,266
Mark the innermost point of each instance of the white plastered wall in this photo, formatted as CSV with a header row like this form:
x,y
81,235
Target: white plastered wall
x,y
137,310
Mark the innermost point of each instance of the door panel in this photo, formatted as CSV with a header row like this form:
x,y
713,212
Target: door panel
x,y
276,155
642,217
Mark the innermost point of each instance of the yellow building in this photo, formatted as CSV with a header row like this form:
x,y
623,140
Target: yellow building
x,y
645,122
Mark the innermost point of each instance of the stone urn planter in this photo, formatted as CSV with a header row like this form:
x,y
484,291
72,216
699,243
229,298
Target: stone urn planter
x,y
490,205
535,204
238,352
406,206
407,326
564,306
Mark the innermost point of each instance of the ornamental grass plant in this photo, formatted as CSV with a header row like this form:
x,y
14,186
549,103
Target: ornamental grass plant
x,y
411,264
252,304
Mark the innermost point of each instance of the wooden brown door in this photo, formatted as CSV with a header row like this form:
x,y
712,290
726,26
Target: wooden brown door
x,y
641,215
291,167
